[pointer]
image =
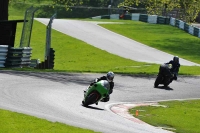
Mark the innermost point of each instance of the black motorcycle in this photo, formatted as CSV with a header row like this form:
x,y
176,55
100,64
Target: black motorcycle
x,y
164,76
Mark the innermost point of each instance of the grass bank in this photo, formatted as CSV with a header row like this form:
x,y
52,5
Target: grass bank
x,y
177,116
12,122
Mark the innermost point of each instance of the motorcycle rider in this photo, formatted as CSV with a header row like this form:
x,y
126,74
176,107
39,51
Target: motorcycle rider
x,y
175,66
165,70
109,77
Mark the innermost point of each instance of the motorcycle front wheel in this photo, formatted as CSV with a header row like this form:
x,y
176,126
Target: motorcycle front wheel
x,y
91,99
158,80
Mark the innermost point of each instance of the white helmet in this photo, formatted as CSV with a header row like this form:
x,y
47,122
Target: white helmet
x,y
110,76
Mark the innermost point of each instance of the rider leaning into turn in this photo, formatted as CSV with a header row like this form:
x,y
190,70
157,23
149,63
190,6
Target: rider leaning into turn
x,y
175,66
109,77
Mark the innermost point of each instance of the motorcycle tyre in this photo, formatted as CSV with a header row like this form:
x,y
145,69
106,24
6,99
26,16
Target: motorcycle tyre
x,y
165,85
158,81
91,99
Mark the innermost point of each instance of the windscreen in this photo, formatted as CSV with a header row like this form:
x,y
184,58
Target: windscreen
x,y
105,84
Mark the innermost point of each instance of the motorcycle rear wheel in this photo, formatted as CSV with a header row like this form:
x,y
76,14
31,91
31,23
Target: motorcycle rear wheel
x,y
165,85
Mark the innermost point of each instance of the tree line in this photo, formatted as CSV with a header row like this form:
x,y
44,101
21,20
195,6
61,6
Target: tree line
x,y
188,9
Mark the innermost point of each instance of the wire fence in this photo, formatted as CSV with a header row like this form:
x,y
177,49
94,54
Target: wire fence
x,y
27,27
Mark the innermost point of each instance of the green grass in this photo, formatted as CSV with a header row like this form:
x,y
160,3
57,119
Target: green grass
x,y
179,116
12,122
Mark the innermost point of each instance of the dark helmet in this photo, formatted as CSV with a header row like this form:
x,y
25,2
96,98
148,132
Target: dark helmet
x,y
110,76
176,59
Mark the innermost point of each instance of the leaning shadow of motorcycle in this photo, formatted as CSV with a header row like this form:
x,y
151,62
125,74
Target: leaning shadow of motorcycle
x,y
95,108
165,88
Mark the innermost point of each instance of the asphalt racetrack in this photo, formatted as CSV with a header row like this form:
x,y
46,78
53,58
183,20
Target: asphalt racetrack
x,y
58,96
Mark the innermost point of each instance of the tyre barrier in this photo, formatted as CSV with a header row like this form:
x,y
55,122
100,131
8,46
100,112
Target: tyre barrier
x,y
3,54
18,57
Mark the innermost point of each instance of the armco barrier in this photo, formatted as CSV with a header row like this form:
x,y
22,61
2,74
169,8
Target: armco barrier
x,y
114,16
163,20
172,21
199,34
143,17
97,17
135,16
191,30
186,27
105,17
152,19
3,54
177,23
181,24
195,31
127,17
18,57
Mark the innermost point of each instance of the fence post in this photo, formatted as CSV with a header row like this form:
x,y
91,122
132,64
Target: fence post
x,y
48,41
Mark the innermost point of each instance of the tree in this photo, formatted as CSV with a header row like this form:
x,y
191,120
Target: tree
x,y
188,9
4,9
67,3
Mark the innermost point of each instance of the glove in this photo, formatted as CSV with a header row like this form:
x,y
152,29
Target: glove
x,y
91,84
96,80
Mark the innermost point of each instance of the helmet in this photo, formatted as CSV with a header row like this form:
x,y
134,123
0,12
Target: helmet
x,y
176,59
110,76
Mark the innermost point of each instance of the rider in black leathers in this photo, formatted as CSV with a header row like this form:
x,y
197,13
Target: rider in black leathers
x,y
175,66
165,70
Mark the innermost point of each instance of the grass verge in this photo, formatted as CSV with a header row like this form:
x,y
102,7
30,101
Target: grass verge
x,y
12,122
176,116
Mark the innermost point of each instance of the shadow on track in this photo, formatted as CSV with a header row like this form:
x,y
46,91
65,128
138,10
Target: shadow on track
x,y
165,88
91,107
64,78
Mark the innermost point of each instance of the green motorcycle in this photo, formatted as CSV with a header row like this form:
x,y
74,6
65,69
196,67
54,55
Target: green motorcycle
x,y
96,92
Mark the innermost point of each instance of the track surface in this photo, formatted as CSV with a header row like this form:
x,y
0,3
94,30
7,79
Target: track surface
x,y
57,97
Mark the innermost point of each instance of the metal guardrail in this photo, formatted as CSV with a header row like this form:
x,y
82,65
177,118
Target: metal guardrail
x,y
18,57
3,54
